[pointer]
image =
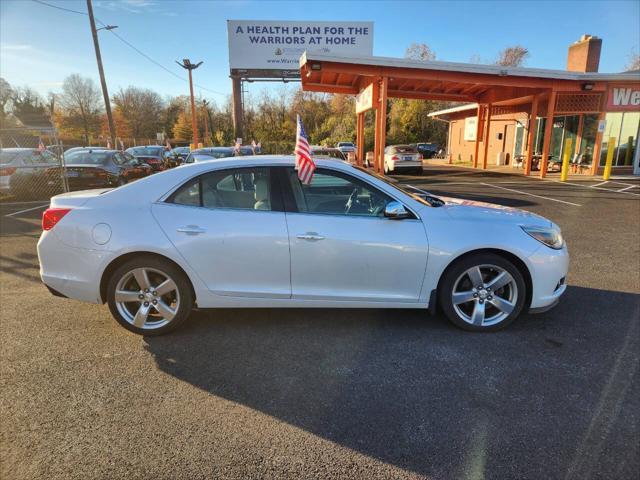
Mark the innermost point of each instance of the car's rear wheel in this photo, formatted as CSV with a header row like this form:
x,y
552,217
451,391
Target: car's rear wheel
x,y
149,296
483,292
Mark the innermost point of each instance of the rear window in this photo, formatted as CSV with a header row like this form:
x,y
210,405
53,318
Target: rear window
x,y
404,149
146,151
86,158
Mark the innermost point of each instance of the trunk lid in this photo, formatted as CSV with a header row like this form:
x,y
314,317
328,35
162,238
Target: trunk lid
x,y
76,199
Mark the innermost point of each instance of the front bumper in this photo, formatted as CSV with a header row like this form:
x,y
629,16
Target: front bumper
x,y
549,269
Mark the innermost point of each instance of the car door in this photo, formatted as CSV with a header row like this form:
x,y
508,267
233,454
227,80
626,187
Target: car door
x,y
342,246
229,225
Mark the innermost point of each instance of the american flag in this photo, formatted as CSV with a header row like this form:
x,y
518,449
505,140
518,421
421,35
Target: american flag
x,y
304,163
108,144
121,144
41,147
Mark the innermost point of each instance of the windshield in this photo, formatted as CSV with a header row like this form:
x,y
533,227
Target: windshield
x,y
328,153
345,144
146,151
403,149
417,194
87,158
8,156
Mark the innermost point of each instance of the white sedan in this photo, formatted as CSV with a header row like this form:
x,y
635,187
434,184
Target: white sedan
x,y
244,232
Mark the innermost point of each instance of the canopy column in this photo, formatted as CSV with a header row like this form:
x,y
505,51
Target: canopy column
x,y
478,134
381,125
485,157
597,147
548,128
533,120
360,138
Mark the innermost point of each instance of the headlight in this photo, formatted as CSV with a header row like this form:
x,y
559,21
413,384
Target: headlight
x,y
551,237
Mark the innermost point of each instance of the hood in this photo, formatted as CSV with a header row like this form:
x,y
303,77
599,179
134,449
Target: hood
x,y
479,211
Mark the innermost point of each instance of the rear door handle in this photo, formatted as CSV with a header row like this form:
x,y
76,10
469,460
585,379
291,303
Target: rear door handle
x,y
191,230
311,236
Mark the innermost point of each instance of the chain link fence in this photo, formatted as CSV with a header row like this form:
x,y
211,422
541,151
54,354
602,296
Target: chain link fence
x,y
31,165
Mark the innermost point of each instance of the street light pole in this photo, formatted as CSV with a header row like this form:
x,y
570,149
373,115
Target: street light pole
x,y
103,82
187,65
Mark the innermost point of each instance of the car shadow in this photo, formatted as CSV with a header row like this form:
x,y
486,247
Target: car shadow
x,y
417,393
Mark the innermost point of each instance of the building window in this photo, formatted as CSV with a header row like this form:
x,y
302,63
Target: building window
x,y
623,126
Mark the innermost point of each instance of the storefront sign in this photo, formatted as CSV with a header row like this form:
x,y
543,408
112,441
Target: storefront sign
x,y
470,129
278,45
367,98
623,97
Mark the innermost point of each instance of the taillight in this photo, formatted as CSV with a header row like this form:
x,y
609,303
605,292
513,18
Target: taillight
x,y
395,157
51,216
419,156
7,171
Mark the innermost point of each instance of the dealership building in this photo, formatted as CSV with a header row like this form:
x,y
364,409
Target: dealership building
x,y
523,118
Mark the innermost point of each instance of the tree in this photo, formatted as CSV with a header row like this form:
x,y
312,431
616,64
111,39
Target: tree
x,y
80,107
143,108
182,129
6,93
420,51
512,56
634,62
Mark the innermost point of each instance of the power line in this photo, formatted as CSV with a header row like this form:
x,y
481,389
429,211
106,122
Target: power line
x,y
138,51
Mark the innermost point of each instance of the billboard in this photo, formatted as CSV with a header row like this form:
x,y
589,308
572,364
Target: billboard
x,y
278,45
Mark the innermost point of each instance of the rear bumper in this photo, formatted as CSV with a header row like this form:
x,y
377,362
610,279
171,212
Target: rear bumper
x,y
404,165
77,279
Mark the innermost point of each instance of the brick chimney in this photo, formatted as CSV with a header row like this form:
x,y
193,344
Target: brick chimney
x,y
584,55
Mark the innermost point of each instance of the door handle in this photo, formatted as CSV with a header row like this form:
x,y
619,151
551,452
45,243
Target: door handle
x,y
191,230
311,236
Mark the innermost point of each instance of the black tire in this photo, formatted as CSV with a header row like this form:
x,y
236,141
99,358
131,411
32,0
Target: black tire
x,y
170,270
420,171
458,268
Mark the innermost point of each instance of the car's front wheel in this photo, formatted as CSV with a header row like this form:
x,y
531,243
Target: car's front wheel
x,y
482,292
149,296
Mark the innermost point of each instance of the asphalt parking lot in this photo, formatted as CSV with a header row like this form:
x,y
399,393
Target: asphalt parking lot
x,y
337,393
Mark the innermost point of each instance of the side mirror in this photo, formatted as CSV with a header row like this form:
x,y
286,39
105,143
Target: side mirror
x,y
395,211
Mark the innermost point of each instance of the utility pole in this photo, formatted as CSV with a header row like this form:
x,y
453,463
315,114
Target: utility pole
x,y
187,65
103,82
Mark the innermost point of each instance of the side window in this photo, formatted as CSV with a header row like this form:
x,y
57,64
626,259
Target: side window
x,y
337,193
119,158
243,188
188,194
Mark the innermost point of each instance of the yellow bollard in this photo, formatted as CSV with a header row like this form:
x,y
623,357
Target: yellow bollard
x,y
568,143
611,147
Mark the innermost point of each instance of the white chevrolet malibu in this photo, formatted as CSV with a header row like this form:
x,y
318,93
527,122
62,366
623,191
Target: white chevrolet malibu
x,y
246,233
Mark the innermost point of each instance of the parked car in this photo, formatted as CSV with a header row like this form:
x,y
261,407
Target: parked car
x,y
75,149
208,153
328,152
427,150
90,168
153,155
29,173
245,232
180,154
402,158
346,147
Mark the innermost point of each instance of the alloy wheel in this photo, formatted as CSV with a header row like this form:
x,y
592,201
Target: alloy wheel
x,y
484,295
147,298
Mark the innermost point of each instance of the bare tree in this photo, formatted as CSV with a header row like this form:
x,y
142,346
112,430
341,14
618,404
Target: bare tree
x,y
634,62
420,51
143,108
81,103
512,56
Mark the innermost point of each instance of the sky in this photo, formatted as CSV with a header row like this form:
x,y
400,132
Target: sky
x,y
40,45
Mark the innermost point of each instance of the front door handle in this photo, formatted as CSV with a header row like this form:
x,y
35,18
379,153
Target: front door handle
x,y
311,236
191,230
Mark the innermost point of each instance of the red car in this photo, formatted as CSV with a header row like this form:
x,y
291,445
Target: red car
x,y
153,155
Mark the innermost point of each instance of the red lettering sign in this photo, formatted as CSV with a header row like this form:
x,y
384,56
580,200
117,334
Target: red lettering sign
x,y
623,98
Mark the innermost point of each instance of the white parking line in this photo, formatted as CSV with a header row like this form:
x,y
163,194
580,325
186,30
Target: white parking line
x,y
627,188
532,195
26,210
